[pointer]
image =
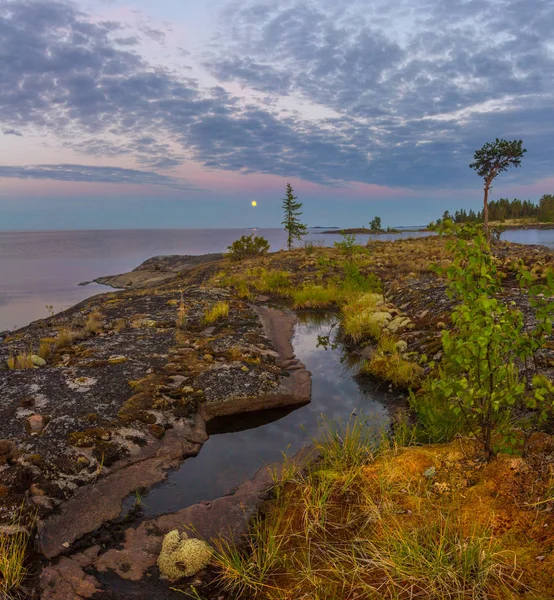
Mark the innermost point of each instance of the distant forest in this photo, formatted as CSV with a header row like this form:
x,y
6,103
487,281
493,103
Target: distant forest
x,y
500,210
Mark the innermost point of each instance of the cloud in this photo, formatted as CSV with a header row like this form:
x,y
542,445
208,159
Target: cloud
x,y
153,34
90,174
396,94
399,74
11,131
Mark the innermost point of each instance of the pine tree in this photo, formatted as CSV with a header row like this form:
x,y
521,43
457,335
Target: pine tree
x,y
295,229
491,160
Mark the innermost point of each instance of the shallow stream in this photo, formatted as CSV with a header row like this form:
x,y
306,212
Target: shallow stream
x,y
239,446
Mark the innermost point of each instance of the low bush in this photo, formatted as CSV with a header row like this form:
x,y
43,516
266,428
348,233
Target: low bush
x,y
247,246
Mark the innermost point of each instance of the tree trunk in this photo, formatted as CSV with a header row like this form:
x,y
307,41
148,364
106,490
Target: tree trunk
x,y
486,213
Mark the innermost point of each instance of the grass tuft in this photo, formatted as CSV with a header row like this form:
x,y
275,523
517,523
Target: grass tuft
x,y
20,362
218,311
317,296
65,337
362,317
93,322
13,554
45,349
181,319
355,526
400,372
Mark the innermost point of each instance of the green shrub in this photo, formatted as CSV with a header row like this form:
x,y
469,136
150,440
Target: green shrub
x,y
354,281
437,420
479,379
348,244
248,246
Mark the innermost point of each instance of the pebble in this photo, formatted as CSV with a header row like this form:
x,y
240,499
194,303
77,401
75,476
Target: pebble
x,y
36,424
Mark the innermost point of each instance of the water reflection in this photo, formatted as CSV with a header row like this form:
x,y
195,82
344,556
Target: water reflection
x,y
249,442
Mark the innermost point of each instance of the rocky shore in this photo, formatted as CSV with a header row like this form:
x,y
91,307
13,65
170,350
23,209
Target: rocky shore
x,y
119,389
101,400
156,270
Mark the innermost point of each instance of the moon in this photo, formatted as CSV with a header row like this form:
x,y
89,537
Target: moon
x,y
254,203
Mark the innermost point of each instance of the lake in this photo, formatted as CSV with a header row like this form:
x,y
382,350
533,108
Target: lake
x,y
44,268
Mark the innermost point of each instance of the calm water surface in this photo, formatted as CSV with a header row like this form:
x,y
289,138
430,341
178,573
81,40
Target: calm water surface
x,y
44,268
238,447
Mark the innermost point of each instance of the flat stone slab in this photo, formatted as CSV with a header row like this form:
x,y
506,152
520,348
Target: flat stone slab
x,y
98,503
226,517
157,270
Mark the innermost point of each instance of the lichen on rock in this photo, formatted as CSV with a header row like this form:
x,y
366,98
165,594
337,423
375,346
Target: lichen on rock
x,y
182,556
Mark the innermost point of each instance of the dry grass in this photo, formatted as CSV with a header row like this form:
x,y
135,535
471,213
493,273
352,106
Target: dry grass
x,y
93,322
235,353
20,362
45,348
13,553
65,337
181,319
218,311
119,325
365,524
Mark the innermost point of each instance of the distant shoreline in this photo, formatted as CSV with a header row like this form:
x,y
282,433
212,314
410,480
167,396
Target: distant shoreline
x,y
526,226
364,230
506,226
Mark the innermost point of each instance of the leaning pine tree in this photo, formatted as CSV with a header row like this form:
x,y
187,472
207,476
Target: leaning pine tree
x,y
295,229
491,160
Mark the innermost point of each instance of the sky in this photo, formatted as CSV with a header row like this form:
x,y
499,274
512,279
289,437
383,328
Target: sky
x,y
180,113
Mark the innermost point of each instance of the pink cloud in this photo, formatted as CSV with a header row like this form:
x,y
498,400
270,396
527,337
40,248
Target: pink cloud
x,y
230,183
38,188
532,190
